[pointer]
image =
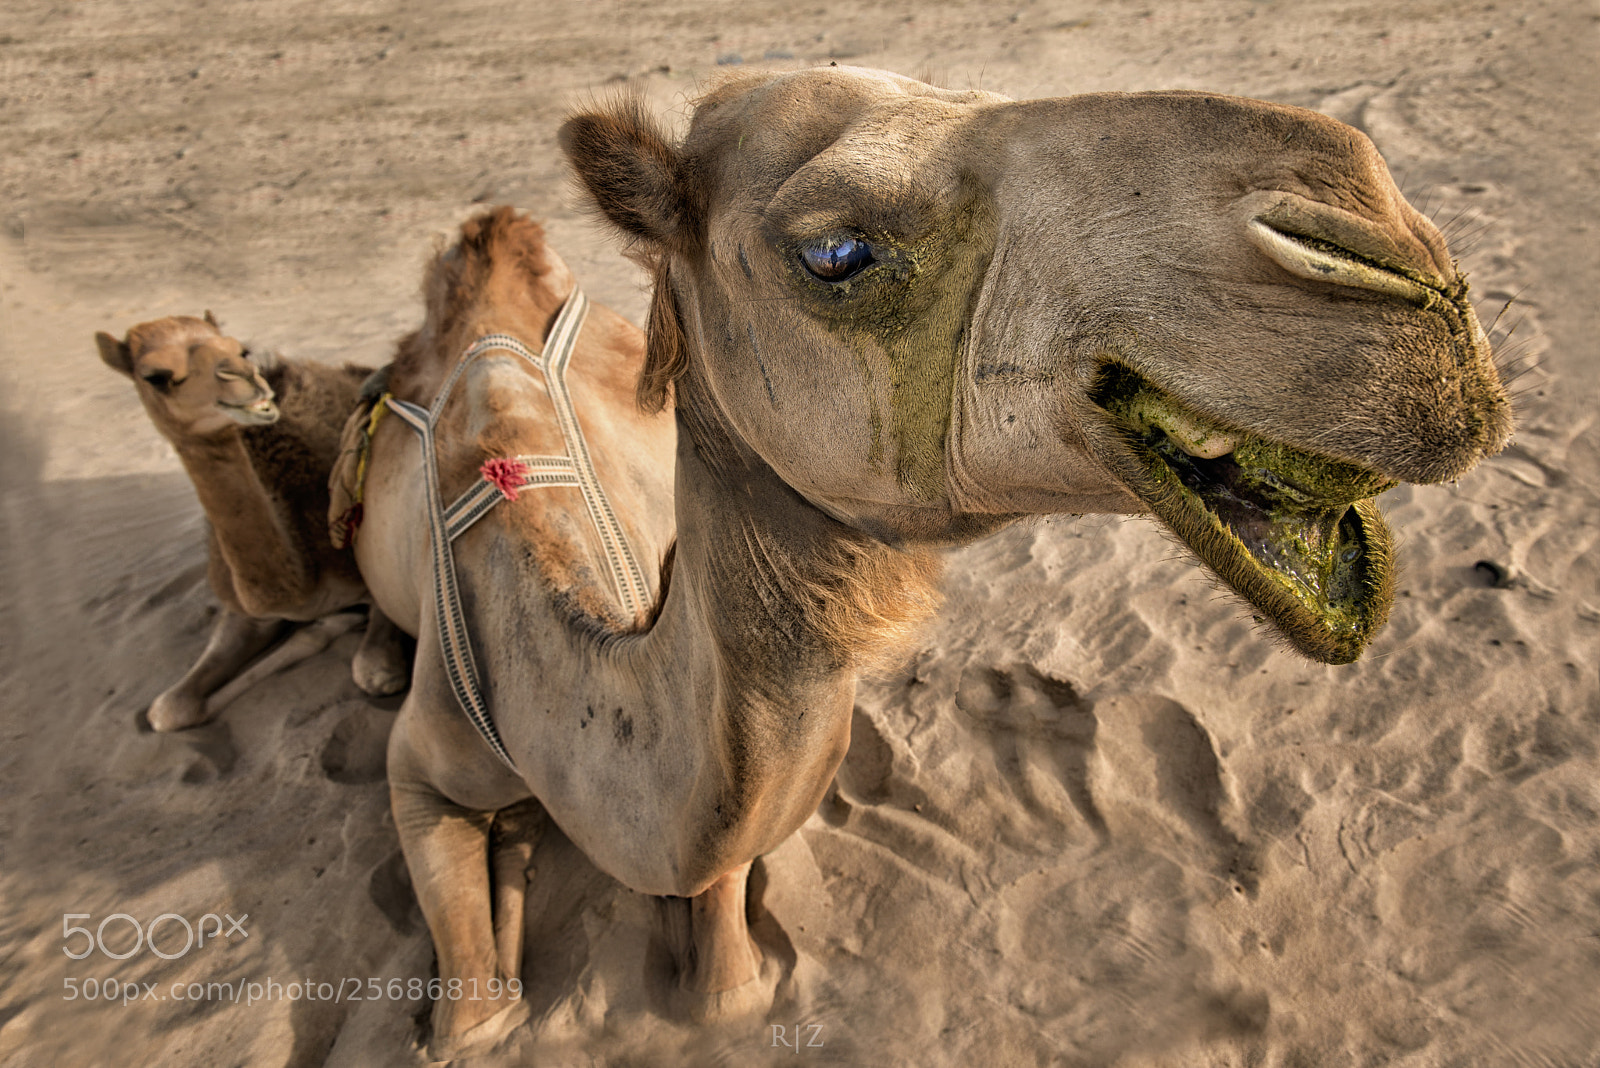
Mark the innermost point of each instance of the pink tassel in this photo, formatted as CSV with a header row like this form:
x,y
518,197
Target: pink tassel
x,y
345,536
506,475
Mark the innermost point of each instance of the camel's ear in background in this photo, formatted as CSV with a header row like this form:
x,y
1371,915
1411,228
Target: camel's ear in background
x,y
116,354
212,319
630,169
265,360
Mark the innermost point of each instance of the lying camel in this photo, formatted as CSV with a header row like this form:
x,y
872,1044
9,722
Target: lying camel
x,y
890,317
258,438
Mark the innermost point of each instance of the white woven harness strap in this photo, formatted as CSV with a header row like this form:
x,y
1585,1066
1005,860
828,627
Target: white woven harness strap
x,y
502,479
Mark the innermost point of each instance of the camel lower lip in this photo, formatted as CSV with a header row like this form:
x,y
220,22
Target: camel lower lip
x,y
1298,536
261,411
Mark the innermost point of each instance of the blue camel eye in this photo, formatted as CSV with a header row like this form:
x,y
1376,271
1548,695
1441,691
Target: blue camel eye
x,y
836,259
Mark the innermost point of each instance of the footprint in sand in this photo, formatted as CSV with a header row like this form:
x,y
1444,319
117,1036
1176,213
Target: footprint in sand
x,y
1157,768
356,751
389,887
1043,734
207,754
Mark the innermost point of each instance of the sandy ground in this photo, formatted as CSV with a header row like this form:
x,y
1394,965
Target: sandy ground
x,y
1098,819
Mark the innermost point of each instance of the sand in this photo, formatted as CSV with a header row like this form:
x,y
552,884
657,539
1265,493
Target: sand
x,y
1098,819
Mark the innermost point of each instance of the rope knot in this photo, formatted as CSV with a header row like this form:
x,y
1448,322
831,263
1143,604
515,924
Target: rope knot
x,y
505,475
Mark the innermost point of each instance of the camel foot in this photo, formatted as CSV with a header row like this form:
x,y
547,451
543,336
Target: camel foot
x,y
234,642
480,1037
749,1000
381,666
178,710
380,672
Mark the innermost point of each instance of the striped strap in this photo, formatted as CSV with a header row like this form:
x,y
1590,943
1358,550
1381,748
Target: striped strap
x,y
456,645
557,354
474,504
501,480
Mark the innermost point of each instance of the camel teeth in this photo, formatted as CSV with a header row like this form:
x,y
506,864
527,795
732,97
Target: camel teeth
x,y
1189,433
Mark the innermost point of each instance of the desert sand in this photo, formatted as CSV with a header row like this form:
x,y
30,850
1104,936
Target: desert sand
x,y
1098,819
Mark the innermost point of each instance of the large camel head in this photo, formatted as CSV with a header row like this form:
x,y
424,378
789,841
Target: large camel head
x,y
194,380
931,311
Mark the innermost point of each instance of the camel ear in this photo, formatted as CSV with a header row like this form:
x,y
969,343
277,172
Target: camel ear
x,y
265,360
629,168
212,319
116,354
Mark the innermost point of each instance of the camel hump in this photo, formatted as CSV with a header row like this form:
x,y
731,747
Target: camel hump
x,y
505,232
534,282
501,239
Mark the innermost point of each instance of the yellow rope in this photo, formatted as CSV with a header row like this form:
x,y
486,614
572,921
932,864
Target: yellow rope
x,y
379,410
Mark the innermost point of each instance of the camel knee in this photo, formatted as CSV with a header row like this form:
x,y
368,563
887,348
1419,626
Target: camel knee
x,y
515,833
723,973
448,852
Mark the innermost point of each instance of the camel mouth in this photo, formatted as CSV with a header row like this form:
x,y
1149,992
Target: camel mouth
x,y
1297,535
263,411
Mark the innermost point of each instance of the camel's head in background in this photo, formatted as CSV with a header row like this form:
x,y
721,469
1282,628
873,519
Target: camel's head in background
x,y
194,380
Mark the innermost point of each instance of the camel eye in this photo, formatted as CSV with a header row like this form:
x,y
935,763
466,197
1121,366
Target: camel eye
x,y
162,380
836,259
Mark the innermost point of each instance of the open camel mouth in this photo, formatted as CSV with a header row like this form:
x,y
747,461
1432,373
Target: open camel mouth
x,y
1297,535
260,412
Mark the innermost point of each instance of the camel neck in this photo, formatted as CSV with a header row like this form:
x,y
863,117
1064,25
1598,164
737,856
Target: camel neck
x,y
223,476
789,588
249,530
772,611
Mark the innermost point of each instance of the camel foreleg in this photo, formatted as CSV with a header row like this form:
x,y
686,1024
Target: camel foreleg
x,y
447,849
515,833
305,643
722,976
235,641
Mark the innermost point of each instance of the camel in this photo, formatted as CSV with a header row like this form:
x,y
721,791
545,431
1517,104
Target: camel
x,y
257,437
887,318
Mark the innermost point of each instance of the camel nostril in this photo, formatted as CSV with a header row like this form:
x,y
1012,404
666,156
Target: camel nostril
x,y
1324,261
1389,237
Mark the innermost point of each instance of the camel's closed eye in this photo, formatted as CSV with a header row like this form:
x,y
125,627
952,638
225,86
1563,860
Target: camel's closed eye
x,y
162,380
